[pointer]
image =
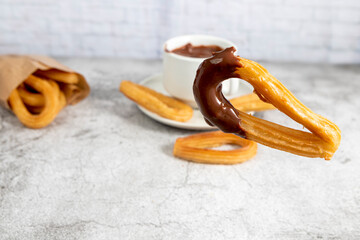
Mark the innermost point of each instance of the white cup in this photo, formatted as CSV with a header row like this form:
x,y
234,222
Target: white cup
x,y
179,71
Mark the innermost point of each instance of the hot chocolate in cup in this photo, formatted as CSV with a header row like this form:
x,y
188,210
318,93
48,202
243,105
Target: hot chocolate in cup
x,y
182,57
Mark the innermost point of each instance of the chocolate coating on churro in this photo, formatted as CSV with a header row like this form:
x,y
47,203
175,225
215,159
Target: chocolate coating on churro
x,y
215,108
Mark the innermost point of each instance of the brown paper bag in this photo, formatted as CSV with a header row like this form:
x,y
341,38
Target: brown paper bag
x,y
14,69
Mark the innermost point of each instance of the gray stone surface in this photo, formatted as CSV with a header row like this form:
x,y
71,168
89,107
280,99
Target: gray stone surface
x,y
103,170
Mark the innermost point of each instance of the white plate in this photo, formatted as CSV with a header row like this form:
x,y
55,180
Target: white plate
x,y
197,121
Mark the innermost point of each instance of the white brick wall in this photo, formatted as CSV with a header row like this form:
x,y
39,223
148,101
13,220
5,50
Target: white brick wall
x,y
280,30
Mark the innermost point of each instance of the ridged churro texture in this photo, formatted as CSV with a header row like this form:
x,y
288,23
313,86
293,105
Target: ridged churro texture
x,y
250,102
38,100
155,102
48,102
197,148
325,136
322,140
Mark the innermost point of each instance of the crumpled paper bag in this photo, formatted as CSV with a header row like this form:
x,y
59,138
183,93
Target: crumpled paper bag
x,y
14,69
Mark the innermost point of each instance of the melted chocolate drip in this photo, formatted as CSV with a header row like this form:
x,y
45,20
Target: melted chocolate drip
x,y
215,108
